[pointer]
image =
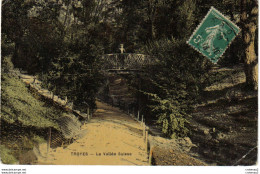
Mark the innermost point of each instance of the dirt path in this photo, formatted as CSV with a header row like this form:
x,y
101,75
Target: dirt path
x,y
110,138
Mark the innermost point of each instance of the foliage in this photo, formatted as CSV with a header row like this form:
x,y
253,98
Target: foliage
x,y
62,42
174,83
18,105
7,64
171,115
71,77
37,139
7,46
6,157
19,139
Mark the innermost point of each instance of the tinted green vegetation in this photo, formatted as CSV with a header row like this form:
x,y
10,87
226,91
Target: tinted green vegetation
x,y
6,157
62,41
176,81
18,105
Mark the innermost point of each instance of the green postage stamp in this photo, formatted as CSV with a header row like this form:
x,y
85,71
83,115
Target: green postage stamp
x,y
213,36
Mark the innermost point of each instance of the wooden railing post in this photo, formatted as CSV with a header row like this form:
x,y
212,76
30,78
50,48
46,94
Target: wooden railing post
x,y
146,141
34,79
49,140
144,132
150,155
88,113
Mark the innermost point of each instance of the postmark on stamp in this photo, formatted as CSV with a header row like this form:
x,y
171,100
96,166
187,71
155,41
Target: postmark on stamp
x,y
213,36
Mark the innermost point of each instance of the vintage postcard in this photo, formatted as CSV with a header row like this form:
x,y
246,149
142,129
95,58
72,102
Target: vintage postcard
x,y
128,82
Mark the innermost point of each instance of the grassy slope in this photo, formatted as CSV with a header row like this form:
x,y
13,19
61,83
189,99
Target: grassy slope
x,y
24,119
19,105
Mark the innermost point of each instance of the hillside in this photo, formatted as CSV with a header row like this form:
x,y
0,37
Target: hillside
x,y
26,118
20,106
224,124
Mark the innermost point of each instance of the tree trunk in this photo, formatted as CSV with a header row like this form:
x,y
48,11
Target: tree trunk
x,y
15,57
152,29
249,12
67,13
151,14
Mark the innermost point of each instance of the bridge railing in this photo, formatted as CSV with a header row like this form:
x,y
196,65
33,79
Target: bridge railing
x,y
128,61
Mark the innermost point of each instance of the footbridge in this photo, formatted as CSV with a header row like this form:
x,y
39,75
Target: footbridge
x,y
125,62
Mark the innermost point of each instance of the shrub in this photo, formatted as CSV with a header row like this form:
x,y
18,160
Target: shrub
x,y
174,83
6,156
